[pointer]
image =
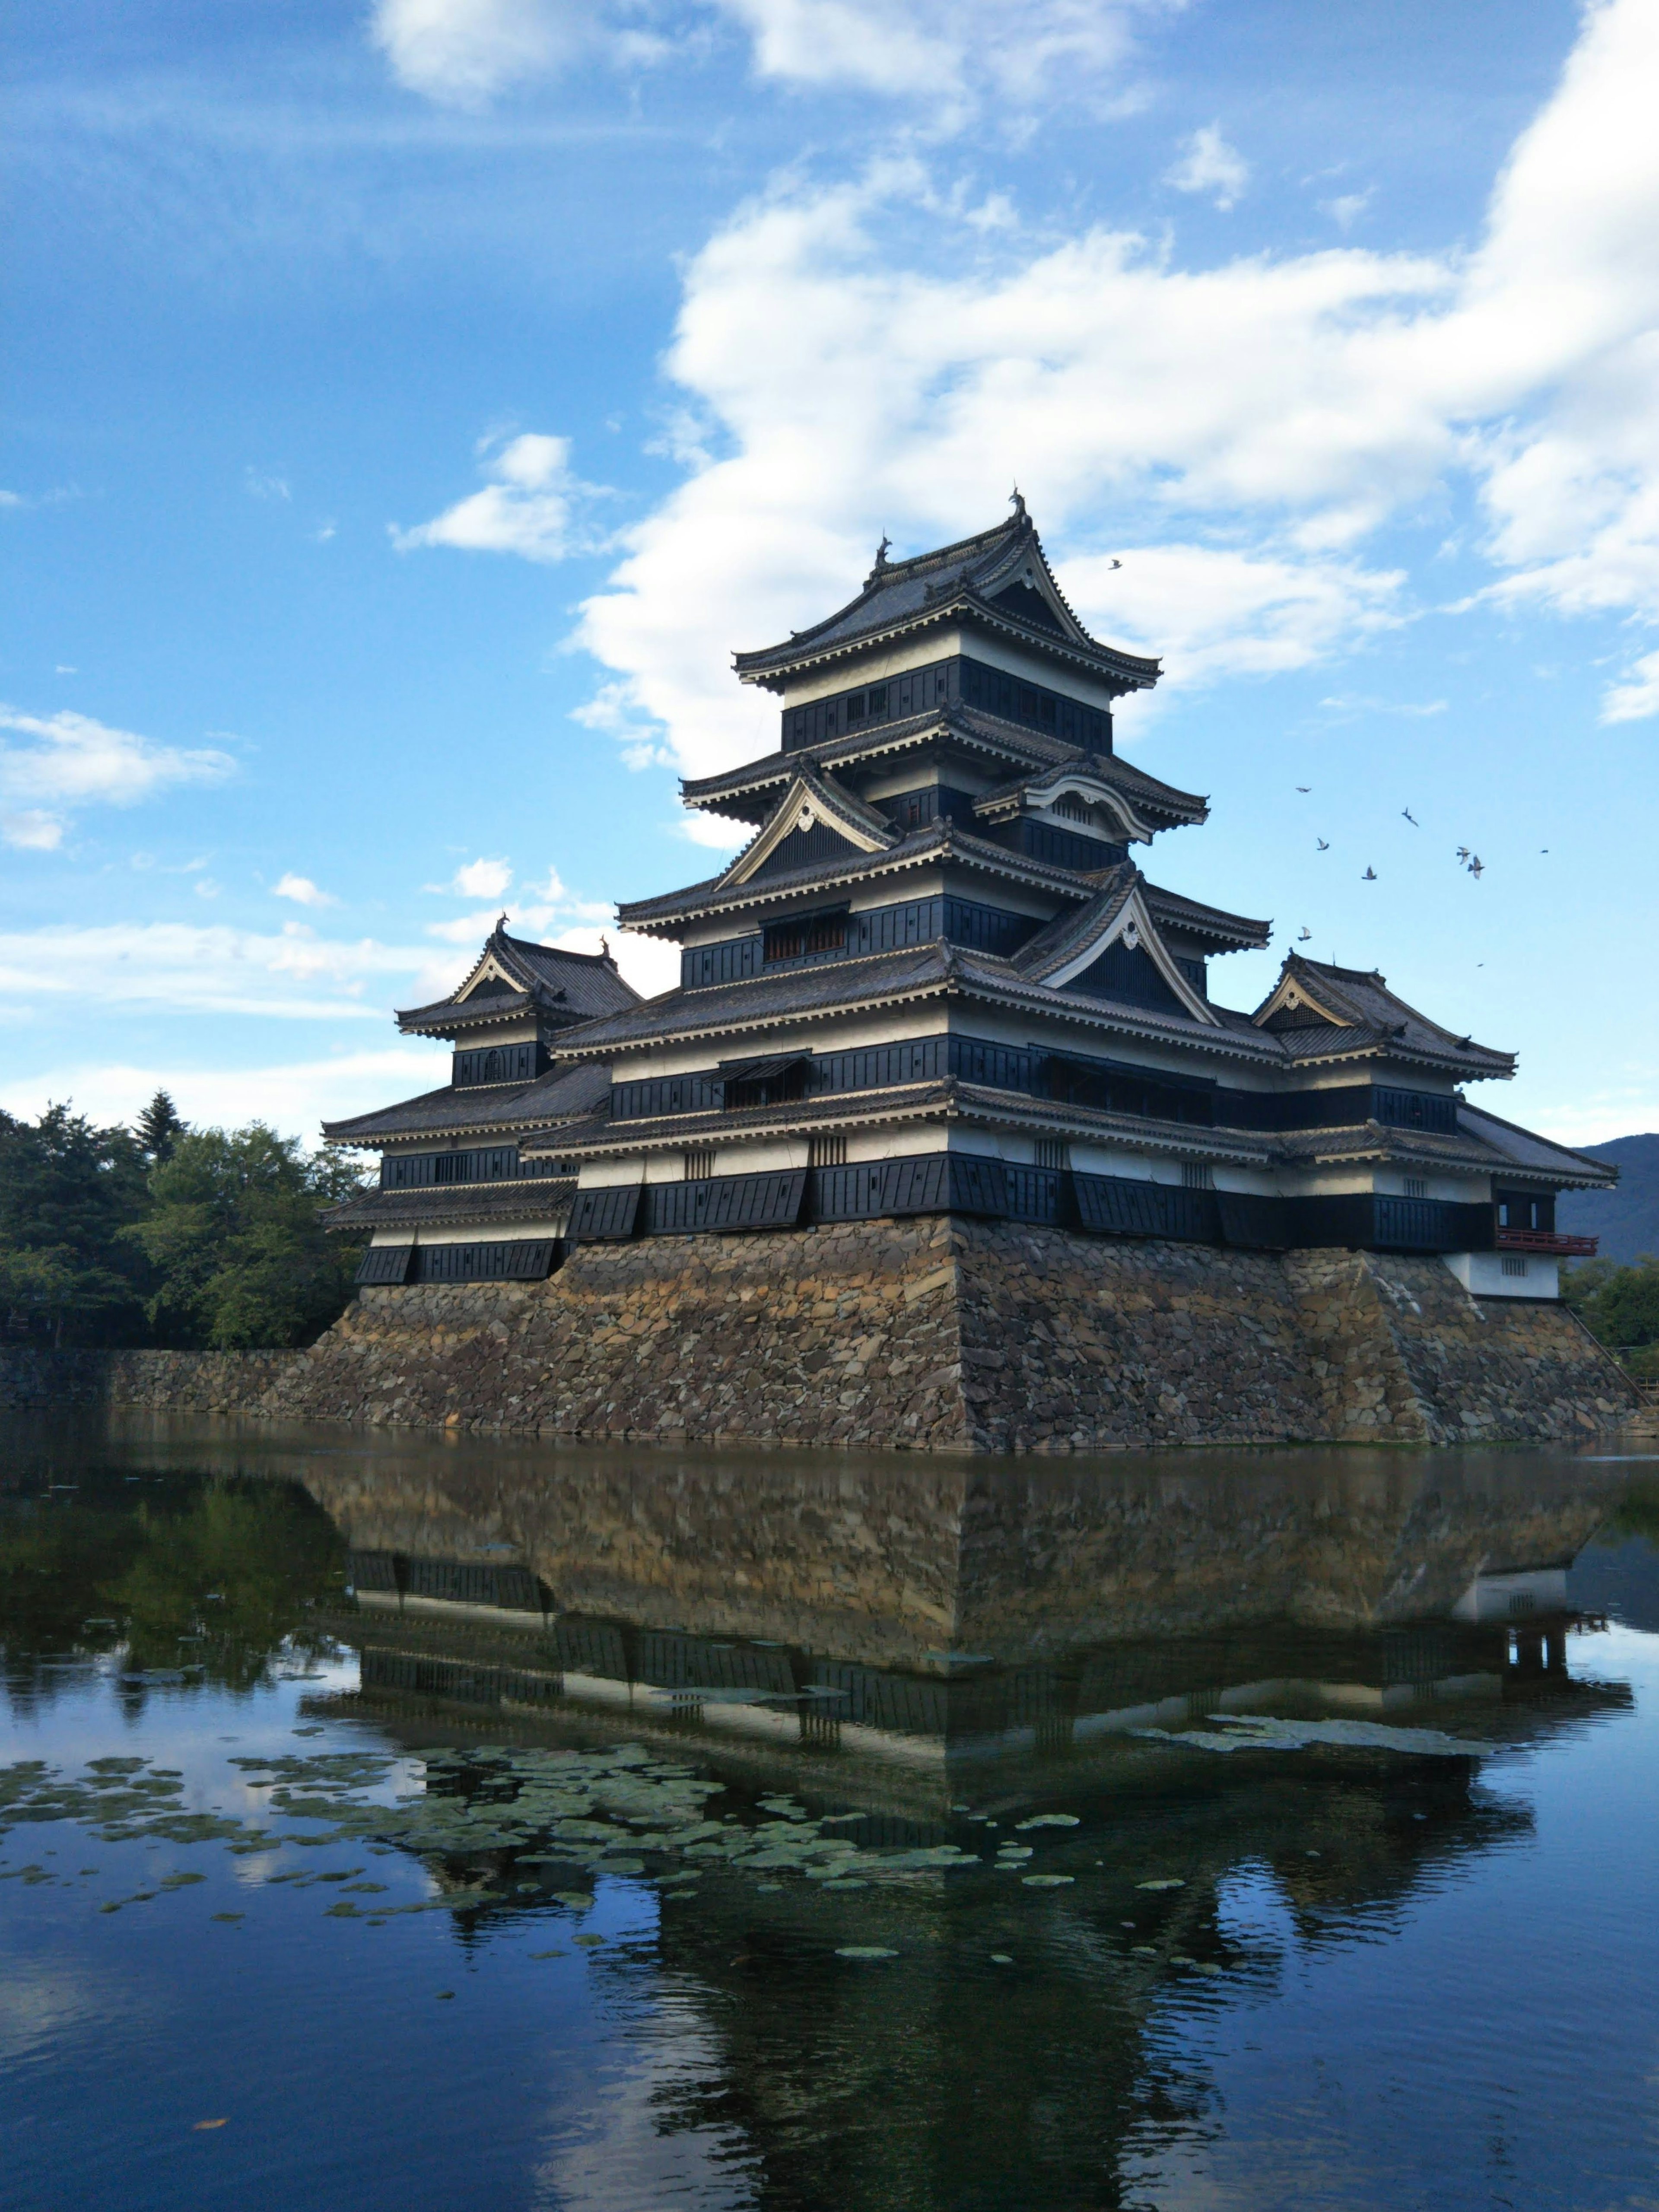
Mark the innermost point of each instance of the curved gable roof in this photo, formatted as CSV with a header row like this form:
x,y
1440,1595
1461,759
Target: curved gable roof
x,y
1002,572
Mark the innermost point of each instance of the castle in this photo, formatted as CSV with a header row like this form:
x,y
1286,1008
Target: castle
x,y
937,982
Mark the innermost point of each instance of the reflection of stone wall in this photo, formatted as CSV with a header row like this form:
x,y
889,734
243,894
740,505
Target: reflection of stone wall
x,y
885,1559
934,1335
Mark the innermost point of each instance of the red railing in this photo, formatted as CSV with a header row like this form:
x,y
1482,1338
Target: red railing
x,y
1554,1241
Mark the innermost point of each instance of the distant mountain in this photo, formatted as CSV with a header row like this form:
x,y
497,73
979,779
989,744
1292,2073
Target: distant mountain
x,y
1626,1220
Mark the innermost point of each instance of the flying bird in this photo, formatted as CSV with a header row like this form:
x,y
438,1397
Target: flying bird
x,y
1114,564
1369,876
1477,867
1323,844
1304,787
1463,852
1302,936
1411,817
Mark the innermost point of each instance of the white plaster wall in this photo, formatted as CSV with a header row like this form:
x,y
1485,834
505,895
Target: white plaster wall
x,y
1458,1190
1483,1274
481,1233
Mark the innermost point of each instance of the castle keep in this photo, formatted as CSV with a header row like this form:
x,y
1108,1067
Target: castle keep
x,y
943,1137
939,980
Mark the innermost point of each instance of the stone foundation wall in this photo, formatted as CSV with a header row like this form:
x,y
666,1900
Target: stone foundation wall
x,y
933,1334
167,1381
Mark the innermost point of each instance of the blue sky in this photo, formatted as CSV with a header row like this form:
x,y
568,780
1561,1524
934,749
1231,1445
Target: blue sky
x,y
408,407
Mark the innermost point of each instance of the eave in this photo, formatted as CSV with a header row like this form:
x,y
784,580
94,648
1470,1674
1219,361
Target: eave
x,y
496,1204
771,668
947,1101
958,977
942,843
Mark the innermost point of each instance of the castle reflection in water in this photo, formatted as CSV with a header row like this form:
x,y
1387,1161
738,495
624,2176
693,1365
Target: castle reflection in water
x,y
904,1619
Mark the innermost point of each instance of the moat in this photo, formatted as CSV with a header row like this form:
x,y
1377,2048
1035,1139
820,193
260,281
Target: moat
x,y
403,1820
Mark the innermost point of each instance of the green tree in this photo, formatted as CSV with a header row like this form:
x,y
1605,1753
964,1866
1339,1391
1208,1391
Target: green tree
x,y
67,1193
234,1236
1619,1305
160,1128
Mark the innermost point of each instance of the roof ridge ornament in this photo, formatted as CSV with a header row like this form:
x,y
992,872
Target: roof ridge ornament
x,y
1016,500
882,566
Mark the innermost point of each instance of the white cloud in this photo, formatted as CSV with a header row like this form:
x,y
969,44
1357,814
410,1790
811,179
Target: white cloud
x,y
945,56
73,762
302,892
261,485
295,1097
481,879
189,969
1638,697
1209,165
462,52
714,831
1245,425
1345,210
528,508
32,830
644,962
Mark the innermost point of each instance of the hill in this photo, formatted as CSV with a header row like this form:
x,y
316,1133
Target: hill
x,y
1626,1220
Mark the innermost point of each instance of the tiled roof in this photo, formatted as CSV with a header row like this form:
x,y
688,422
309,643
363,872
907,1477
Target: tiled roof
x,y
1524,1152
561,1091
575,985
1070,932
1370,1019
1235,931
918,971
940,842
1011,743
968,575
542,1198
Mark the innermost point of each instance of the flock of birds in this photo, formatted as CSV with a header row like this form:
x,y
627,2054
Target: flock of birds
x,y
1469,862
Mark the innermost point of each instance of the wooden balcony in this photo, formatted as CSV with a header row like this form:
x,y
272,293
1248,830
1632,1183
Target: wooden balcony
x,y
1552,1243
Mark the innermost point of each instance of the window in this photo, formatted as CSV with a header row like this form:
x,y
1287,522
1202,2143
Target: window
x,y
699,1163
879,699
812,933
828,1153
1071,807
1514,1264
1416,1187
1051,1152
855,706
1197,1174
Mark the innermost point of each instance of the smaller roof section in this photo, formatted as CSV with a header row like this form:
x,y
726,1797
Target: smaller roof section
x,y
1000,579
1319,1011
1532,1157
513,976
1135,806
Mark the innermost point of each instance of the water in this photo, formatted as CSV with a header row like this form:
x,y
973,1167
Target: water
x,y
500,1825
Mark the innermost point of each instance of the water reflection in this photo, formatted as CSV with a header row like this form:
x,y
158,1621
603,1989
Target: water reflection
x,y
1184,1737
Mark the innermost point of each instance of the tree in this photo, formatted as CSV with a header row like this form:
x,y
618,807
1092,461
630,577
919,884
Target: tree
x,y
1619,1305
68,1191
160,1128
234,1237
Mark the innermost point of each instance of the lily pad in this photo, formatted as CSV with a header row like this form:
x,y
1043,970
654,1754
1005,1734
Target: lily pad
x,y
1049,1821
1047,1880
1169,1882
864,1951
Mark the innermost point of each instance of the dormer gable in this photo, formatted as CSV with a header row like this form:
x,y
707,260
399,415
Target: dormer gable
x,y
816,820
1075,795
1296,1004
1111,949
